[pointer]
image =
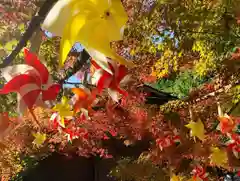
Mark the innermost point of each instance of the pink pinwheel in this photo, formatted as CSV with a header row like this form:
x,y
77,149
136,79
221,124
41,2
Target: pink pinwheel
x,y
31,81
104,79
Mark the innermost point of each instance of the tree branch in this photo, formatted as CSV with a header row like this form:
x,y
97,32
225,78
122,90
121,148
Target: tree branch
x,y
214,93
32,27
79,83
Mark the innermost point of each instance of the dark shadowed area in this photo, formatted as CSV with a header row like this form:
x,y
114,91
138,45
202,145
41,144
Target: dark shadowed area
x,y
74,168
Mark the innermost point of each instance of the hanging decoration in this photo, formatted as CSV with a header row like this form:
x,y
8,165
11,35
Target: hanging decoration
x,y
95,24
31,81
234,144
199,173
71,135
226,123
57,122
103,79
83,100
168,141
64,110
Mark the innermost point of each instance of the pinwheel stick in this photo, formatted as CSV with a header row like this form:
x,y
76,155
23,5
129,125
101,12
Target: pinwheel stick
x,y
34,117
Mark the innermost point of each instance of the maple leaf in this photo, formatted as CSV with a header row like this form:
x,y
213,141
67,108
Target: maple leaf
x,y
176,178
197,129
64,109
39,139
218,157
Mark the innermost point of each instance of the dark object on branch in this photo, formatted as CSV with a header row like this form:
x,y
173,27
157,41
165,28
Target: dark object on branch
x,y
155,96
32,27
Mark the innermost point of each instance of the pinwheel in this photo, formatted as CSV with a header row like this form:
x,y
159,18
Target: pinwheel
x,y
57,122
226,123
103,79
199,173
31,81
71,134
83,99
167,141
64,110
93,23
234,144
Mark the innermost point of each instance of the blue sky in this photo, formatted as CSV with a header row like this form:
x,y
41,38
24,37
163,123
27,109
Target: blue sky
x,y
72,79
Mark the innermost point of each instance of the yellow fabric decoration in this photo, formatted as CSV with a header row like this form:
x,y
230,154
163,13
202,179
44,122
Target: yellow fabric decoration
x,y
93,23
197,129
39,139
218,157
64,109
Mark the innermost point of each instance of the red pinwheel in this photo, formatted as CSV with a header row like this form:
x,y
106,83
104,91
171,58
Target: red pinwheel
x,y
168,140
71,135
234,144
31,81
56,122
104,79
199,173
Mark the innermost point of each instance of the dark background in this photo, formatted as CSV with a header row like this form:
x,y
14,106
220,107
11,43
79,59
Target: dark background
x,y
58,167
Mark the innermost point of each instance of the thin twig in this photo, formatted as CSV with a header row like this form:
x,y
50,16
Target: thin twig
x,y
215,93
32,27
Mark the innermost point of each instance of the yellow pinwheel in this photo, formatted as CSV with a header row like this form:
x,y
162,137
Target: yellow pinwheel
x,y
64,109
93,23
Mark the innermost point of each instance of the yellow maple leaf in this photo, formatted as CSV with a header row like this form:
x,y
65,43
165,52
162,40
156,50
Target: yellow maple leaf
x,y
218,157
39,139
197,129
176,178
64,109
